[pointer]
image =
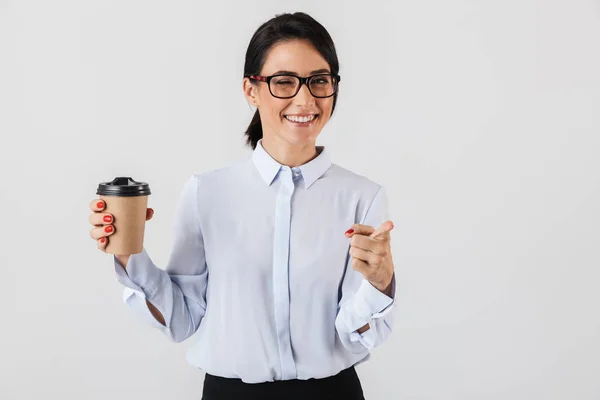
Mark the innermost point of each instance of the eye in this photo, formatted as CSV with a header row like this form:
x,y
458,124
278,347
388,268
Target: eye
x,y
321,80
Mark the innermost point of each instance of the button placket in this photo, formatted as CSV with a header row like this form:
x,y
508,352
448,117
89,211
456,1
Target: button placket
x,y
281,248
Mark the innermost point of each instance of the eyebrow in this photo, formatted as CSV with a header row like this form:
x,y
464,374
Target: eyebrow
x,y
318,71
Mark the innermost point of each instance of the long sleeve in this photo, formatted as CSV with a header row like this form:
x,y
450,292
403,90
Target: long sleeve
x,y
179,291
361,302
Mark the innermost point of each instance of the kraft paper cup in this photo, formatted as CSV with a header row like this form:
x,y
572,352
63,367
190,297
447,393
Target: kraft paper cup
x,y
127,201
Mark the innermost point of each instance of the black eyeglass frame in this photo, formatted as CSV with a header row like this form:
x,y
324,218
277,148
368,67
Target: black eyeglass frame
x,y
303,81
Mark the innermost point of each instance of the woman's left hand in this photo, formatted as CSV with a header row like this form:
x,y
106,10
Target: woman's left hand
x,y
371,254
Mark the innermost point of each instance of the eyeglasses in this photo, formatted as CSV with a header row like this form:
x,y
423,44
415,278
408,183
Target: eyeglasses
x,y
287,86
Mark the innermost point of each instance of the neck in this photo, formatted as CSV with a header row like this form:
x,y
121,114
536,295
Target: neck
x,y
291,155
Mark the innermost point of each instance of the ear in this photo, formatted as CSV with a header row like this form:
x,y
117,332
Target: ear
x,y
251,92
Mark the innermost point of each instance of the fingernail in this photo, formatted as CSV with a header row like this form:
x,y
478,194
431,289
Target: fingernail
x,y
349,231
107,218
100,204
108,229
102,240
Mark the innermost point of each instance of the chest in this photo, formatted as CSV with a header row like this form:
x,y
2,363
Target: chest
x,y
239,236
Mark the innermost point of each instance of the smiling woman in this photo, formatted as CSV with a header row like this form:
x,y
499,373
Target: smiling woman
x,y
281,262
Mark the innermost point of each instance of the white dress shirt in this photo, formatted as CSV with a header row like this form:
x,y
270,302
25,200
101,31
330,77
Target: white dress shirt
x,y
260,270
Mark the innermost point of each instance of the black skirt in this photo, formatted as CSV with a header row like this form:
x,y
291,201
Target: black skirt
x,y
343,386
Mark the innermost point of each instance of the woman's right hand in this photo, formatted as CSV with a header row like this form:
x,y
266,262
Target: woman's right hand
x,y
102,223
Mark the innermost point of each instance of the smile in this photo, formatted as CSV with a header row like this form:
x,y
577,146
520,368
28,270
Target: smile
x,y
301,119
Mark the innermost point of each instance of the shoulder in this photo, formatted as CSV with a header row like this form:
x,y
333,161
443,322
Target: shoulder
x,y
221,176
367,187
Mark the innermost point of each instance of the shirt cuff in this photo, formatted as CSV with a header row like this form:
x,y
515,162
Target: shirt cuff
x,y
136,300
367,338
141,273
389,307
372,303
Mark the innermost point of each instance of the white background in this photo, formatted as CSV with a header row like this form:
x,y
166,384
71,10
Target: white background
x,y
481,118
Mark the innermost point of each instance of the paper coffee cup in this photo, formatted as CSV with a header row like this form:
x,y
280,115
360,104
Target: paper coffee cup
x,y
126,200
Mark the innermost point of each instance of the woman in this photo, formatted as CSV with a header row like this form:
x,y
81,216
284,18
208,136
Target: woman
x,y
281,261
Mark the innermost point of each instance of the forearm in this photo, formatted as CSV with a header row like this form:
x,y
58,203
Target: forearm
x,y
155,313
123,260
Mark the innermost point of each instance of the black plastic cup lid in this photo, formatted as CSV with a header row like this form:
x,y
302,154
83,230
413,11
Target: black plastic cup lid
x,y
123,186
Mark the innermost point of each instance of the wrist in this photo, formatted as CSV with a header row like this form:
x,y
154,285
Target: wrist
x,y
385,288
123,259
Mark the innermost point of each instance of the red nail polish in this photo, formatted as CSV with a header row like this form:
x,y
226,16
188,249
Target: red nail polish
x,y
102,240
107,218
108,229
349,231
100,204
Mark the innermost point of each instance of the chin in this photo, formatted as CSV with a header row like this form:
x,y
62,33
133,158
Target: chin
x,y
301,137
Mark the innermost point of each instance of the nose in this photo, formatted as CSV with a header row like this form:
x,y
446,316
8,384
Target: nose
x,y
304,97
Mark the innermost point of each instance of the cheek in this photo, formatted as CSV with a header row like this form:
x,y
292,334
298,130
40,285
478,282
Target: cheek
x,y
325,105
271,109
274,106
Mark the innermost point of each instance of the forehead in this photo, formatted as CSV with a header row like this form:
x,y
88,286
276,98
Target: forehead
x,y
297,56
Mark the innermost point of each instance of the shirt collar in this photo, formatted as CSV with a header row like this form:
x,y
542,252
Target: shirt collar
x,y
311,171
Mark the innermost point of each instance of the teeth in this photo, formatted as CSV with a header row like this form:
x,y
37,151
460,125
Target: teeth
x,y
304,119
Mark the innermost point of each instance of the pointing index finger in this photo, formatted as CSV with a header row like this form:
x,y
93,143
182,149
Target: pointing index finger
x,y
385,227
